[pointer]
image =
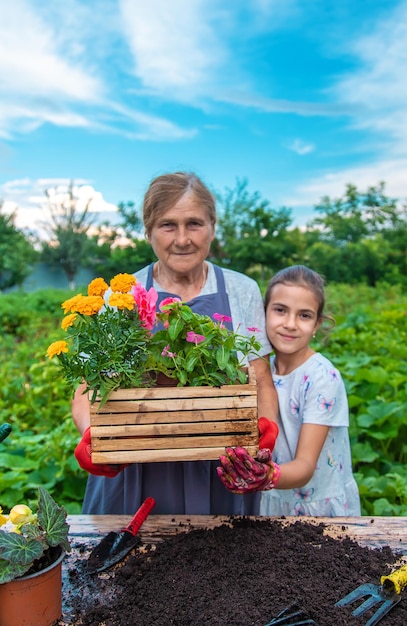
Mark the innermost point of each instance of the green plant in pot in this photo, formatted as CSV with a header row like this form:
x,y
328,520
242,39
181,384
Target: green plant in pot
x,y
32,541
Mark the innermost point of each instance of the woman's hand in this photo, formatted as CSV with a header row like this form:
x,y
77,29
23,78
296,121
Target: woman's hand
x,y
84,458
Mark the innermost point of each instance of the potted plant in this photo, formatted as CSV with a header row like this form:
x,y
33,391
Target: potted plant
x,y
32,547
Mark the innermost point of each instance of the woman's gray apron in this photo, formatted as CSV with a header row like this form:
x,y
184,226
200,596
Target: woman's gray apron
x,y
181,487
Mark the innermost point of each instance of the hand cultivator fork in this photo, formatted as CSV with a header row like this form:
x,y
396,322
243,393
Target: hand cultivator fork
x,y
387,594
292,616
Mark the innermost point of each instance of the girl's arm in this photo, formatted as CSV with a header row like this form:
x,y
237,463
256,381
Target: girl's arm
x,y
299,471
267,400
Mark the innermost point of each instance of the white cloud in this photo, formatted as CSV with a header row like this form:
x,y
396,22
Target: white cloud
x,y
152,127
333,184
30,62
174,44
379,86
27,200
52,71
300,147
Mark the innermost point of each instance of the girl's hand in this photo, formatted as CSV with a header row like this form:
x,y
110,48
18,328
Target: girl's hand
x,y
241,473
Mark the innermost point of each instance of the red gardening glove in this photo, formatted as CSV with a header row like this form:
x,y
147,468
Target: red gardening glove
x,y
268,433
241,473
83,456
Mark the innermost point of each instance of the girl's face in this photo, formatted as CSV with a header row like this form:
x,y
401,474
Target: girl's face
x,y
292,320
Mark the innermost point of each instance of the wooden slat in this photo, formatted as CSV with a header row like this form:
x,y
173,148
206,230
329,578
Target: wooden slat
x,y
164,393
223,414
177,428
202,402
160,443
165,454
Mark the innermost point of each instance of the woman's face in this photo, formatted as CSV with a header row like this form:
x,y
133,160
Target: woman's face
x,y
182,236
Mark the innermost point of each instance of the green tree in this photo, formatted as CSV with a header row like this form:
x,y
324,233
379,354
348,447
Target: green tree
x,y
355,215
131,220
128,259
250,233
17,253
67,228
363,237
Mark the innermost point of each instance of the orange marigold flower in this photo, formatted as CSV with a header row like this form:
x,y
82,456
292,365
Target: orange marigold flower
x,y
89,305
122,282
57,348
68,321
97,287
122,301
70,305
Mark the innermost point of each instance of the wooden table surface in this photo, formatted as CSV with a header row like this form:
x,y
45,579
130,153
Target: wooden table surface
x,y
375,532
86,531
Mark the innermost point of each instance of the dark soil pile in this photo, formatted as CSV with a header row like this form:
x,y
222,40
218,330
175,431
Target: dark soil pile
x,y
239,574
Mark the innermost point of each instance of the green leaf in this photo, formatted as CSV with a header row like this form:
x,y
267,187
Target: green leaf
x,y
18,549
52,518
9,571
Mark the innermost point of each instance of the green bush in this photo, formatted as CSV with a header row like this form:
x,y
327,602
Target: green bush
x,y
369,347
35,401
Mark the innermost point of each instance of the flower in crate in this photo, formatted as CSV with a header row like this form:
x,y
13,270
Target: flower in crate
x,y
197,349
117,338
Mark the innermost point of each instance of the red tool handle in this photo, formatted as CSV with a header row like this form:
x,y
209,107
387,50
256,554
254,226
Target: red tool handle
x,y
140,516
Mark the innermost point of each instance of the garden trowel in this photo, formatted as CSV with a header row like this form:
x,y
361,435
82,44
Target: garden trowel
x,y
116,545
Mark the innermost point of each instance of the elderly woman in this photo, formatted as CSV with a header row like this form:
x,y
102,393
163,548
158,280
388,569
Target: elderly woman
x,y
179,217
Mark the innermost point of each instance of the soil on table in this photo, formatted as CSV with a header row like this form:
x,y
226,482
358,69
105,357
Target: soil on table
x,y
242,573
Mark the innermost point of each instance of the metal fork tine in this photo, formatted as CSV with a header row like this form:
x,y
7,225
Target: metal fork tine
x,y
359,592
365,606
381,612
288,617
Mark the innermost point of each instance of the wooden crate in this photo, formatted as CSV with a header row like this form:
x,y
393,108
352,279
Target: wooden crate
x,y
174,423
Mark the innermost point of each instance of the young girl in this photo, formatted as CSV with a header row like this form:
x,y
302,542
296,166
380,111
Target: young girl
x,y
312,469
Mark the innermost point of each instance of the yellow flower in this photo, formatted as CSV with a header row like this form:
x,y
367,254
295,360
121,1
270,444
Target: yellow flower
x,y
20,514
122,301
3,518
68,321
97,287
70,305
122,282
57,348
89,305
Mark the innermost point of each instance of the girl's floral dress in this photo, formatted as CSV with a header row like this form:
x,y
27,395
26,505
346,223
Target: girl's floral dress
x,y
314,393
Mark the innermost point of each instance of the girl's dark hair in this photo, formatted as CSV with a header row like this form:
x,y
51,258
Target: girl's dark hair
x,y
305,277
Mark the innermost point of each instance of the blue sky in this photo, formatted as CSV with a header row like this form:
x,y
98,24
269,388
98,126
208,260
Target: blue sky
x,y
299,97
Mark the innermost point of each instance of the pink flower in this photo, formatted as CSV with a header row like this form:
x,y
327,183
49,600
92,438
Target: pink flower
x,y
194,337
166,352
168,301
145,301
221,318
253,329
